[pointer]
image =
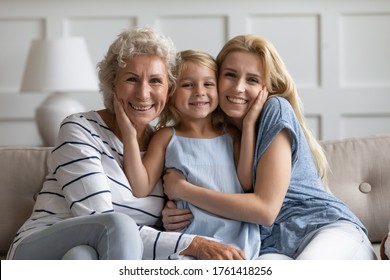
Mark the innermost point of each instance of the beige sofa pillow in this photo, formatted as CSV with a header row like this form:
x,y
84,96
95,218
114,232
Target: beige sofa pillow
x,y
360,176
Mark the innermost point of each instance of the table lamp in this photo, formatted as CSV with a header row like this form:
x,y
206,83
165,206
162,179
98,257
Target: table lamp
x,y
59,67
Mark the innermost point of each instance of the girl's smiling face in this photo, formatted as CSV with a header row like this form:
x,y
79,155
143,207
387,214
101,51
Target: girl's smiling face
x,y
196,95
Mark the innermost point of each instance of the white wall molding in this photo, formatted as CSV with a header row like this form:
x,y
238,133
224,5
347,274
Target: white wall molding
x,y
338,51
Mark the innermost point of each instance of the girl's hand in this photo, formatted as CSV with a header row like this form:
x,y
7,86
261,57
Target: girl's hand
x,y
175,219
254,111
125,125
173,181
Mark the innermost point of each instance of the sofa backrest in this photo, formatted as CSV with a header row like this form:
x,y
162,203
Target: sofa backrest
x,y
360,176
22,171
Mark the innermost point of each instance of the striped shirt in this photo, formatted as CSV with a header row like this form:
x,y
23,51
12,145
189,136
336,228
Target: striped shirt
x,y
85,177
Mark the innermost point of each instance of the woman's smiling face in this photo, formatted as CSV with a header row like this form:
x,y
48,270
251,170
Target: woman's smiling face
x,y
143,86
239,83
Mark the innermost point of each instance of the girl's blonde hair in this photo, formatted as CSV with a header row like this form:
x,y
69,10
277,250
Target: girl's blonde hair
x,y
129,43
278,82
170,115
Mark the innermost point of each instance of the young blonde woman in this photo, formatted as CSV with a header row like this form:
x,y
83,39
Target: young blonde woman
x,y
193,141
298,217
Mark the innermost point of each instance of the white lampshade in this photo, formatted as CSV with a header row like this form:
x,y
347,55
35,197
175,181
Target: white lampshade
x,y
58,66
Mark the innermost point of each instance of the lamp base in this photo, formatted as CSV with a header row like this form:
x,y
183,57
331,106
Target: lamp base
x,y
52,112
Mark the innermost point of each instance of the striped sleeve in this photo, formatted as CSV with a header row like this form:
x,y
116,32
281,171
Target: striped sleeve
x,y
162,245
77,162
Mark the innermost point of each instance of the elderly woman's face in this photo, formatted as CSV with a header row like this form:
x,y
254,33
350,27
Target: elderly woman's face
x,y
143,86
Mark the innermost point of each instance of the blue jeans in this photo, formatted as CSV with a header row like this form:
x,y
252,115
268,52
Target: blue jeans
x,y
111,236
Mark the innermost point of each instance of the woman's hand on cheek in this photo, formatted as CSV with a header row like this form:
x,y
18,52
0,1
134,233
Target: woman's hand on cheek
x,y
175,219
173,183
256,107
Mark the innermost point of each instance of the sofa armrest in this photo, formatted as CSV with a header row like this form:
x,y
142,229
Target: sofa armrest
x,y
22,171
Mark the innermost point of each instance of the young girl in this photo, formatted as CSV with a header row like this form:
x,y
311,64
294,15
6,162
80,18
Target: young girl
x,y
190,139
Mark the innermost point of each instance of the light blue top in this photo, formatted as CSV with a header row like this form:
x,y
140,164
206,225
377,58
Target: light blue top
x,y
209,163
307,206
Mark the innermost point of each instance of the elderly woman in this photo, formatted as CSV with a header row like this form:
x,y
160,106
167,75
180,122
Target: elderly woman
x,y
86,208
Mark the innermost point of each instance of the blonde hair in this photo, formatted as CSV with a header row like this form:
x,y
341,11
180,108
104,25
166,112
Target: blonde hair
x,y
170,115
278,82
130,43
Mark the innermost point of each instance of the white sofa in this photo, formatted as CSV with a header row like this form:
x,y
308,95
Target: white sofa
x,y
360,177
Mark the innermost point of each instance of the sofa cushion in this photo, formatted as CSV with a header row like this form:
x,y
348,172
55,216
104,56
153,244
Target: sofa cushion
x,y
360,176
22,170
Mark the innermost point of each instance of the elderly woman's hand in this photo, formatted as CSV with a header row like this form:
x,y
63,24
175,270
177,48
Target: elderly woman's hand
x,y
175,219
205,249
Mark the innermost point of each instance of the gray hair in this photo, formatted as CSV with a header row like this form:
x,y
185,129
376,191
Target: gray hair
x,y
129,43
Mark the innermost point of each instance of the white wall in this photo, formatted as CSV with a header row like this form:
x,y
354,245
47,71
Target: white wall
x,y
338,51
